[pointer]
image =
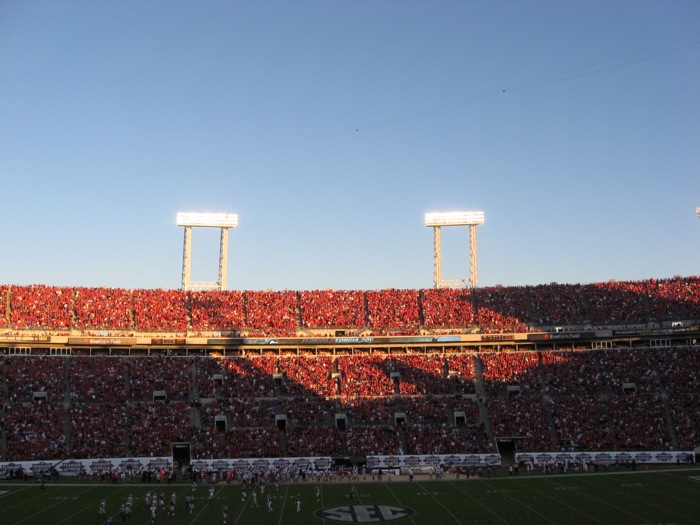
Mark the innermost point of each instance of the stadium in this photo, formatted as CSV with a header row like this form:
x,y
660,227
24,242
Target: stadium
x,y
331,380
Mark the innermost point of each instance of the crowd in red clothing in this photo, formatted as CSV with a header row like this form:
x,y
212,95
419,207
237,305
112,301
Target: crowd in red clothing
x,y
442,438
98,429
148,375
570,372
639,422
154,426
35,430
685,410
680,372
209,377
159,310
676,298
620,370
368,440
271,313
447,307
255,442
94,380
332,308
216,310
313,440
27,376
511,369
557,304
4,318
369,410
393,309
40,307
364,375
421,374
524,417
103,309
383,403
616,302
581,422
500,308
390,311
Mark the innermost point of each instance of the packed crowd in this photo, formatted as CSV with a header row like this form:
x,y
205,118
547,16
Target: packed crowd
x,y
500,308
685,410
148,375
570,372
334,308
581,422
389,311
447,307
421,375
313,440
94,380
160,310
616,302
103,308
272,313
98,429
443,438
35,430
393,309
511,372
676,298
524,417
215,310
154,426
383,403
639,422
621,370
40,307
557,304
4,317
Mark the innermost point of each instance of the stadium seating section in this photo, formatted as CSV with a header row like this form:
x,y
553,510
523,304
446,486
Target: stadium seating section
x,y
59,310
350,405
355,403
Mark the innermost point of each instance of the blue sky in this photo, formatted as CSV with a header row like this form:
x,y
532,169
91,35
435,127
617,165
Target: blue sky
x,y
332,127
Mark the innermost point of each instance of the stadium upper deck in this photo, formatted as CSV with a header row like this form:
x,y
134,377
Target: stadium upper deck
x,y
81,315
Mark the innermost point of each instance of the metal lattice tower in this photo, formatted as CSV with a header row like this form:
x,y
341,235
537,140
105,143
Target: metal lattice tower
x,y
466,218
224,221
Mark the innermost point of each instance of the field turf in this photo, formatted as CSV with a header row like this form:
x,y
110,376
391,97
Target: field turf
x,y
642,497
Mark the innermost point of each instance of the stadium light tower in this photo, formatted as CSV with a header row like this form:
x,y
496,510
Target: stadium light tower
x,y
205,220
436,220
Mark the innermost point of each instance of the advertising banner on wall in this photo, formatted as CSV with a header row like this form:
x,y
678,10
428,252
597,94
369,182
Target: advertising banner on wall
x,y
135,466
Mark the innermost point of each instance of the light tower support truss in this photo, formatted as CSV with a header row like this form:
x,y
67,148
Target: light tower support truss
x,y
436,221
189,220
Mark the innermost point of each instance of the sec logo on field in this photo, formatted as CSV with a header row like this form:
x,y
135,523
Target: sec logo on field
x,y
365,513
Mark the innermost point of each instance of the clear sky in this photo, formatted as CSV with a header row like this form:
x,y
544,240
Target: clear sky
x,y
331,127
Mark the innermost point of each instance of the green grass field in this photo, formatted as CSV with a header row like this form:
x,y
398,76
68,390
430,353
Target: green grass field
x,y
635,498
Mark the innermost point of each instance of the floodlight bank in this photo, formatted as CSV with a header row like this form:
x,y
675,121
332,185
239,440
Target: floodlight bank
x,y
211,220
454,218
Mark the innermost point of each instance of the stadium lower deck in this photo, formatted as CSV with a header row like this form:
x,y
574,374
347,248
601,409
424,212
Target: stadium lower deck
x,y
348,401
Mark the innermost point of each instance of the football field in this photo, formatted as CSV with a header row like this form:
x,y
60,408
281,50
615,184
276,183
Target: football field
x,y
635,498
